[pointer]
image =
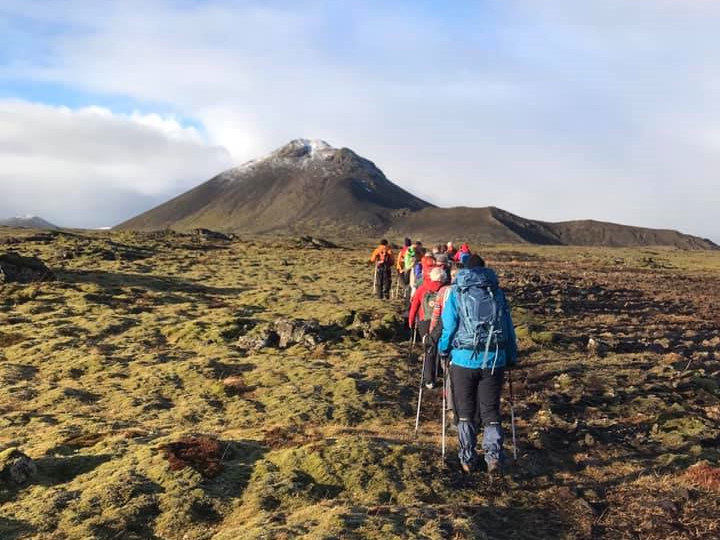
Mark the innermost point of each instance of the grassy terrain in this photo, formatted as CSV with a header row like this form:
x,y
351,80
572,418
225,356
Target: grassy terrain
x,y
127,352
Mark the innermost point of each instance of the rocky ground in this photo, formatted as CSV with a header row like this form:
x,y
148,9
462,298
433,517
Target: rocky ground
x,y
197,386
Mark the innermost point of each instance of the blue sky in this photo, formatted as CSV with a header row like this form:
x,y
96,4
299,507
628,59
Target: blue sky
x,y
551,109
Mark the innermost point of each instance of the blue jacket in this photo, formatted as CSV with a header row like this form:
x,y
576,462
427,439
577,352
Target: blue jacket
x,y
450,320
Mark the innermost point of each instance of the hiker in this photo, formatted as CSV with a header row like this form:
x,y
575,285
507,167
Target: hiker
x,y
435,331
441,259
403,272
422,307
382,257
422,267
464,248
450,251
408,263
478,334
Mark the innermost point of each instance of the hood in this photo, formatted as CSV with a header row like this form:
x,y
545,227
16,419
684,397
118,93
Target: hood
x,y
465,248
483,277
433,286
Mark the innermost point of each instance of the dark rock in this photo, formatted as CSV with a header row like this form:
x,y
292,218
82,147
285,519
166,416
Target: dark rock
x,y
292,332
316,243
207,234
15,467
265,337
16,268
597,348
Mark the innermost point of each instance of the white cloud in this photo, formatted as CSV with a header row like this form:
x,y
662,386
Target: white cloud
x,y
553,109
71,166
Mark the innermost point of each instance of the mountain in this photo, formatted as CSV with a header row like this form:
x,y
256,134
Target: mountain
x,y
307,186
27,222
303,186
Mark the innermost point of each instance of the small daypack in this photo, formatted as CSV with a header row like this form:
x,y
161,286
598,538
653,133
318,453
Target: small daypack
x,y
382,258
409,258
480,310
428,305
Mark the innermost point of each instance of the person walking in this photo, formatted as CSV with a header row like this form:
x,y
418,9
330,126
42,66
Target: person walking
x,y
383,259
421,312
478,334
403,274
464,248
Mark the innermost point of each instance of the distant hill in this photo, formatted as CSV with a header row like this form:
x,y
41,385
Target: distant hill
x,y
307,186
27,222
493,225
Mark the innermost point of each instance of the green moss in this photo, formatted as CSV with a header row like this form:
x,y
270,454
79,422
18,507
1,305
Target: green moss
x,y
320,441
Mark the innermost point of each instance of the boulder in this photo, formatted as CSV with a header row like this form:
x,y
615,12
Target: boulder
x,y
15,467
597,348
292,332
207,234
16,268
258,339
316,243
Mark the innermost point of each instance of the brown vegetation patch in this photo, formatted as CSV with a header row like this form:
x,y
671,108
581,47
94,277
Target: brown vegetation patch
x,y
85,440
287,437
8,340
202,453
235,385
703,475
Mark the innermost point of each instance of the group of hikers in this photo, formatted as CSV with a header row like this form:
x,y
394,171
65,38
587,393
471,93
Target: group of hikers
x,y
459,313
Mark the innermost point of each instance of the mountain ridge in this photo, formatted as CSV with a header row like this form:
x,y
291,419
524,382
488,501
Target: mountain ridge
x,y
308,186
27,222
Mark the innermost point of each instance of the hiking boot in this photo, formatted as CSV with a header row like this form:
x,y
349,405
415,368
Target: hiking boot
x,y
466,468
494,467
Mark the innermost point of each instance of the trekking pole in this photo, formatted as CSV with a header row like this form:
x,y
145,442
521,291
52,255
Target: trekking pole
x,y
397,286
375,283
444,415
420,394
414,336
512,415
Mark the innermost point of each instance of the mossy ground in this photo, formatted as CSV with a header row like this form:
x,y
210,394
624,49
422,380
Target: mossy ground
x,y
126,352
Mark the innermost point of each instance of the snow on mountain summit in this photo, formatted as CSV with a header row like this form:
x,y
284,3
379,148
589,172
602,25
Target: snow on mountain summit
x,y
297,153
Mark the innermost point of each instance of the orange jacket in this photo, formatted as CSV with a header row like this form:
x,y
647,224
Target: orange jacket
x,y
382,254
400,265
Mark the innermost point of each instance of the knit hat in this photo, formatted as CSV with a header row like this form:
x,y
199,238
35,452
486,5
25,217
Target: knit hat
x,y
437,274
441,258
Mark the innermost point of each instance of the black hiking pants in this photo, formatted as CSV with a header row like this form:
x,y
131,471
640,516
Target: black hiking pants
x,y
430,356
476,394
405,281
383,281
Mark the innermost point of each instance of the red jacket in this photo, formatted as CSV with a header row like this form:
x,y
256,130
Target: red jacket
x,y
416,307
427,263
